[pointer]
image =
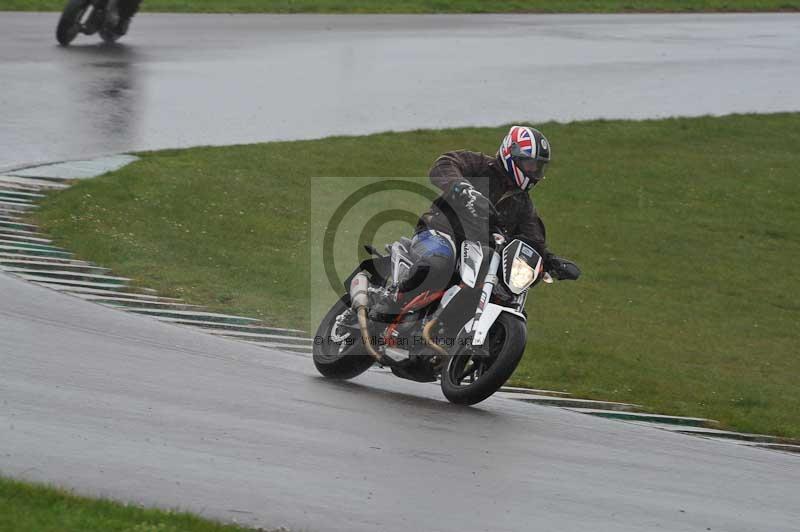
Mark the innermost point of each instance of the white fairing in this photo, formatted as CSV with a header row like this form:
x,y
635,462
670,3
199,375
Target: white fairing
x,y
468,325
449,295
489,316
401,263
471,259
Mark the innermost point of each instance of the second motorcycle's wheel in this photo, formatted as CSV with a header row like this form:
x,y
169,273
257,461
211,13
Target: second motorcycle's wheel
x,y
331,358
69,25
468,379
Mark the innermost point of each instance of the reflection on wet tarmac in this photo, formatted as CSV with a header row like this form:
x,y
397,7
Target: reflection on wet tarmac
x,y
103,93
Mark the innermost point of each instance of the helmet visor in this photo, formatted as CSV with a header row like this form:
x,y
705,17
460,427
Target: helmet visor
x,y
532,168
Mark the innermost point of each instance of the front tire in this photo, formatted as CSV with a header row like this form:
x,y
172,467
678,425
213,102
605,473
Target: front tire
x,y
69,23
328,359
467,381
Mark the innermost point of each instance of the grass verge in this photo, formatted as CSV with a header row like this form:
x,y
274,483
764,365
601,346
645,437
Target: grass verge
x,y
687,230
431,6
26,507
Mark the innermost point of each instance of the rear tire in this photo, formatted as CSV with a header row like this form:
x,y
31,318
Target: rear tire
x,y
329,362
69,23
509,350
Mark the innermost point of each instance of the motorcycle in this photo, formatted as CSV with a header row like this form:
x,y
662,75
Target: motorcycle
x,y
90,17
471,336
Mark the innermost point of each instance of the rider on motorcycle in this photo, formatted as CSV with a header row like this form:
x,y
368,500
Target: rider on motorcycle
x,y
473,186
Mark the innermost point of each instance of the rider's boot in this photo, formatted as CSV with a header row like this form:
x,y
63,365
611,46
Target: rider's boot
x,y
387,307
127,9
427,275
112,15
122,27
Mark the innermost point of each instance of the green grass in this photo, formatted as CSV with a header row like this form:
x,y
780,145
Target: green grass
x,y
687,230
431,6
28,507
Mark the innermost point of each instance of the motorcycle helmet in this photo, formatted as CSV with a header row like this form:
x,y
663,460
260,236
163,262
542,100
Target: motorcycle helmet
x,y
524,154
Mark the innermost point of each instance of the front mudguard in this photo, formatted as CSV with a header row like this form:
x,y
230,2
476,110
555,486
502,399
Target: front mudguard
x,y
490,314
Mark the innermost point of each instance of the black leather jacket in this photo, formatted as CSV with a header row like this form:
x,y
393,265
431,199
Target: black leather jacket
x,y
518,216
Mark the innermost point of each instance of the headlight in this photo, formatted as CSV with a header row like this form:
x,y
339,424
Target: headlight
x,y
521,275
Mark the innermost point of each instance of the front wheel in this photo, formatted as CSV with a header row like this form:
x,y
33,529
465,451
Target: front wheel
x,y
69,25
471,377
338,353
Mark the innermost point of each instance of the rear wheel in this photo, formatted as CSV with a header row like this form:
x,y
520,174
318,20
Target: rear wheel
x,y
69,25
471,376
338,351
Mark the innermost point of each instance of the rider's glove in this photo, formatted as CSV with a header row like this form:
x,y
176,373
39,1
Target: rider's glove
x,y
472,202
562,269
473,209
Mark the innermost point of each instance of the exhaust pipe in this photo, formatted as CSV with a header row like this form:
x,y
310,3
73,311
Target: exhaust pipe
x,y
359,290
359,301
426,336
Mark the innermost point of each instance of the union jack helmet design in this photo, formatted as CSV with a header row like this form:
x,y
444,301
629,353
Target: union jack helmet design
x,y
524,153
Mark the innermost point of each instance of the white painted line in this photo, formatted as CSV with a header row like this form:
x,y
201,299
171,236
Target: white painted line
x,y
15,192
32,182
46,265
712,433
296,348
189,313
19,193
9,187
38,246
77,169
80,291
257,336
231,327
15,208
570,402
50,260
16,202
786,447
24,238
11,248
642,416
6,198
86,284
110,300
64,273
10,231
535,391
14,221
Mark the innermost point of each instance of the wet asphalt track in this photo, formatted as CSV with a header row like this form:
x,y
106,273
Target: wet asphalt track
x,y
120,405
181,80
124,406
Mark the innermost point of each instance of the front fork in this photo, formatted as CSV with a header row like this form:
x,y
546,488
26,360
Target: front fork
x,y
479,333
487,312
89,24
98,17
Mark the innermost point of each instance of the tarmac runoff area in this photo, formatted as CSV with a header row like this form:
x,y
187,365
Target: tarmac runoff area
x,y
185,80
123,405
